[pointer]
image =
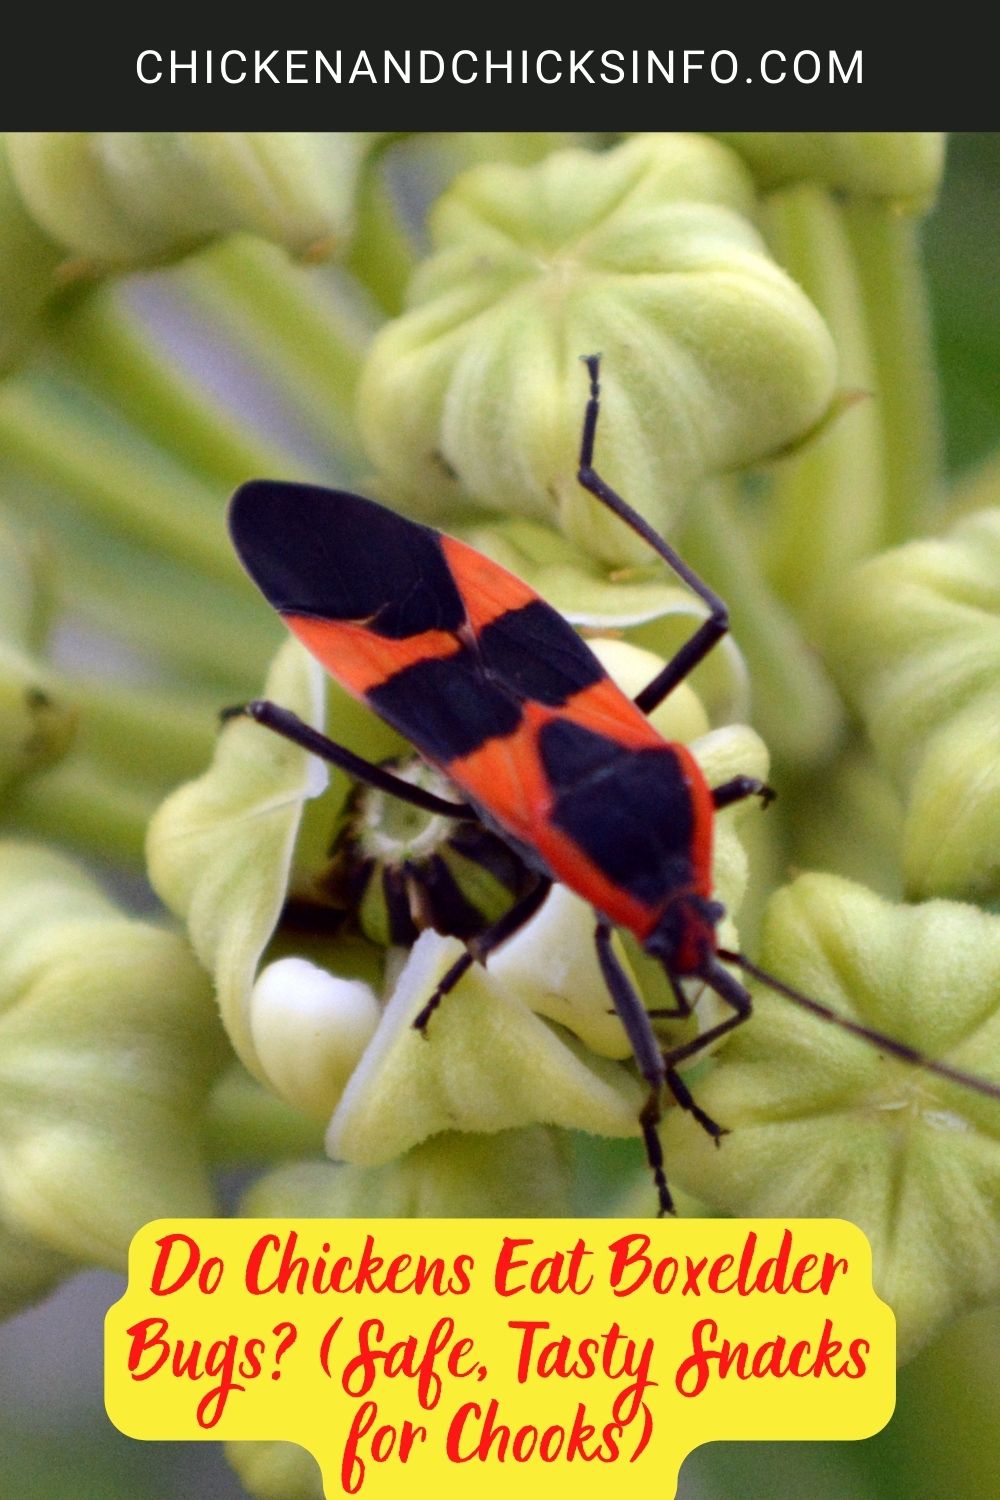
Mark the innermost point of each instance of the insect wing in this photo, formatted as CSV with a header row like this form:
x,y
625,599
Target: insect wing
x,y
445,645
487,681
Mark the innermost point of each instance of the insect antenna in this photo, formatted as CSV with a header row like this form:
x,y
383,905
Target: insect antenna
x,y
877,1039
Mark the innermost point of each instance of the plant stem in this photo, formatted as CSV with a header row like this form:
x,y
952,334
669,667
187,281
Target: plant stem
x,y
795,707
165,737
248,1124
186,631
890,270
192,627
828,500
382,255
111,351
293,323
53,443
79,804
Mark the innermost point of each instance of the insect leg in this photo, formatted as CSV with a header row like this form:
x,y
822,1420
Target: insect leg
x,y
685,1099
741,787
485,943
681,1009
677,1012
710,631
291,727
642,1039
734,994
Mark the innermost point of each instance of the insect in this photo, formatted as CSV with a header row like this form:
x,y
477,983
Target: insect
x,y
493,687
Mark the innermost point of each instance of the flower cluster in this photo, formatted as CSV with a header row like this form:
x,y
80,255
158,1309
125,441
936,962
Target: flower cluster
x,y
769,405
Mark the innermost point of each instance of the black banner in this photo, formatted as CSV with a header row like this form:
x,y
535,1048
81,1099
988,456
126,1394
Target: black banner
x,y
701,71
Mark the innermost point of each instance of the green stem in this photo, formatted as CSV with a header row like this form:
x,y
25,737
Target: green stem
x,y
179,626
167,737
191,625
48,440
111,351
887,254
382,254
292,322
795,707
247,1124
828,499
79,804
845,817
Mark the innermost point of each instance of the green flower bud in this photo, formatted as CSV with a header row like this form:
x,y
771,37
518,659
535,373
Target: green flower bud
x,y
276,1471
713,358
28,267
220,849
311,1029
109,1044
916,646
824,1124
904,166
488,1063
36,720
28,1270
125,198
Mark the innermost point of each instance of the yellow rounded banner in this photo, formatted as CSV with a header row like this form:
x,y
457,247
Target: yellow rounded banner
x,y
439,1350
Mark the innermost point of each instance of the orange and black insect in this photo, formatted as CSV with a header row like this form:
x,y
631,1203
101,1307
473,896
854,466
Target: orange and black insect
x,y
493,687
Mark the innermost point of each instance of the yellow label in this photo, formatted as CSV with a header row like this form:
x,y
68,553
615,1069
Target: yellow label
x,y
528,1351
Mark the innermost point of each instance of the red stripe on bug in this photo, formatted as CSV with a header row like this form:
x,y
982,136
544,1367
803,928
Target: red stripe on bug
x,y
361,660
488,590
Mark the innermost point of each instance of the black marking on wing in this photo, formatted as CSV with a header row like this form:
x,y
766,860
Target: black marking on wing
x,y
537,655
336,556
446,706
449,706
628,810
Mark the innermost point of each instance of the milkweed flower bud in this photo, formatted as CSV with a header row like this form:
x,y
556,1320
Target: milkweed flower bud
x,y
310,1029
713,358
109,1043
116,199
915,643
221,848
490,1064
276,1471
825,1124
904,166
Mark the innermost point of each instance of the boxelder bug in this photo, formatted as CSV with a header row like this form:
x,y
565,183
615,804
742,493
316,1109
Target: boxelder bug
x,y
495,689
